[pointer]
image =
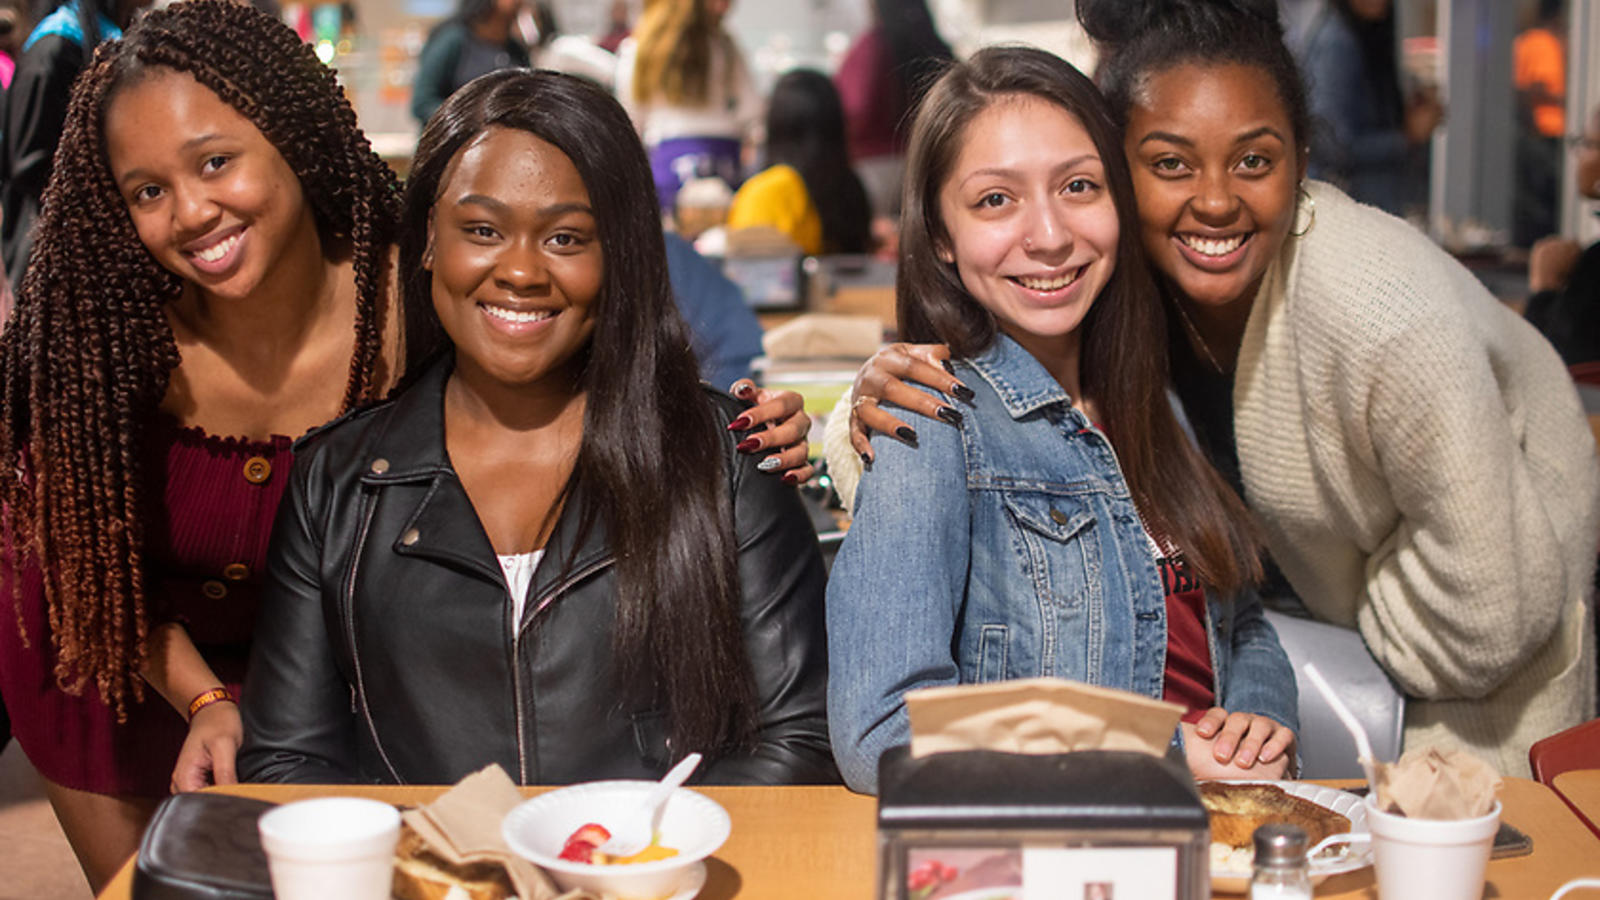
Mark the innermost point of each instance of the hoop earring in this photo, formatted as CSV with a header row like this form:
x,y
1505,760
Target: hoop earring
x,y
1307,203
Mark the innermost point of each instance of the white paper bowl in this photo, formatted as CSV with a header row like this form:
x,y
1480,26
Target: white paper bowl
x,y
692,823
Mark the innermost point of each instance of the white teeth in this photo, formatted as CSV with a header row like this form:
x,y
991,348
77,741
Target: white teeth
x,y
218,250
511,315
1049,284
1212,247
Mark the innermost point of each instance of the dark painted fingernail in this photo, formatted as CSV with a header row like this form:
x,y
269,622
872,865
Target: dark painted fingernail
x,y
962,392
866,459
744,390
949,415
770,464
947,367
790,478
906,433
748,444
739,424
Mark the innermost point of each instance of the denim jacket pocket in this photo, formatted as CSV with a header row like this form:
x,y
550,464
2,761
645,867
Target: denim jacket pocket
x,y
993,644
1060,553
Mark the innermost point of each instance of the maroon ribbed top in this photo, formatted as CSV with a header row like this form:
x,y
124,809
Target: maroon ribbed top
x,y
206,545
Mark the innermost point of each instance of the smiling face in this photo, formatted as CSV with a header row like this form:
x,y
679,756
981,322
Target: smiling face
x,y
1215,171
209,195
1029,221
515,256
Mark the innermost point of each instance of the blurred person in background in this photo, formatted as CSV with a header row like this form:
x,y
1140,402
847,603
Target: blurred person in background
x,y
1539,72
1564,278
618,27
808,190
36,106
882,78
689,92
479,38
10,43
1368,138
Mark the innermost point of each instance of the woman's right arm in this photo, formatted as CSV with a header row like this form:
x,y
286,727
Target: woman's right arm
x,y
893,595
846,443
298,722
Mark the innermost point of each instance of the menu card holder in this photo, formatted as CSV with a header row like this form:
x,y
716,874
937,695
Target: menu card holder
x,y
203,847
1094,824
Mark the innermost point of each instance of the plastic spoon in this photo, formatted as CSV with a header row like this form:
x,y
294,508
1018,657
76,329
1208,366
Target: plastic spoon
x,y
633,831
1363,745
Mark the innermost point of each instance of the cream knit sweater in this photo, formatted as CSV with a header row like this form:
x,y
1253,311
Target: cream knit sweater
x,y
1418,458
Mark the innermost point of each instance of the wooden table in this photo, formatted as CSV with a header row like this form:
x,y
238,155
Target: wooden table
x,y
1581,788
804,843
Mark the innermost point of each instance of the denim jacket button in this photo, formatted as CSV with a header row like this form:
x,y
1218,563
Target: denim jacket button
x,y
1058,517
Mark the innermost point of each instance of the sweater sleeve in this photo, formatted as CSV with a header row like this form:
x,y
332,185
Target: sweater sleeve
x,y
1473,577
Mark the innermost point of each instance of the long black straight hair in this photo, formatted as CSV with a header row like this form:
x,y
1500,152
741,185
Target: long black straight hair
x,y
1124,359
648,457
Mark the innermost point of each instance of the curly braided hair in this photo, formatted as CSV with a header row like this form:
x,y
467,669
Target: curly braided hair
x,y
89,353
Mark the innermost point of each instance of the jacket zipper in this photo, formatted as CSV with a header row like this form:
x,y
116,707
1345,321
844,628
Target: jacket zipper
x,y
516,655
359,689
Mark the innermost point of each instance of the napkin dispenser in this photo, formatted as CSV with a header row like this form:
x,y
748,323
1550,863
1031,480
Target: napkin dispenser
x,y
1090,824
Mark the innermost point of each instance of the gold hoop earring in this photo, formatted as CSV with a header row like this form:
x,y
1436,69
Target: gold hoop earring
x,y
1304,202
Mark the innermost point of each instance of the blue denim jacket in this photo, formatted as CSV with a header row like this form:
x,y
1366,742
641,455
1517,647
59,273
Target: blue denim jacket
x,y
1010,548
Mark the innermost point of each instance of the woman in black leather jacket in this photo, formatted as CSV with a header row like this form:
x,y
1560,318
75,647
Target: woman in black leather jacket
x,y
673,596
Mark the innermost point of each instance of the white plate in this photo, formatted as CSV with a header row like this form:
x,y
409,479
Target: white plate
x,y
697,880
1357,856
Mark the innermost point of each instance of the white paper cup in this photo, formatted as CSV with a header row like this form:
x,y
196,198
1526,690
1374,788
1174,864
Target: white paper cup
x,y
331,847
1441,859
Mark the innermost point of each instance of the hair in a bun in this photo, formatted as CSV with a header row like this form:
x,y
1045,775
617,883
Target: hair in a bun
x,y
1138,38
1114,22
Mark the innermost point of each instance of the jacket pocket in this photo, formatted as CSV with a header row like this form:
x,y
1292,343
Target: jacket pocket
x,y
1060,555
650,738
993,642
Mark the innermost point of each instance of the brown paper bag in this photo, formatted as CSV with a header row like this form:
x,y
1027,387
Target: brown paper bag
x,y
1038,715
463,826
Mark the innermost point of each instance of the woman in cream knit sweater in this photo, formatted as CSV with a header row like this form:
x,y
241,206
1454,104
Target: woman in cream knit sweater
x,y
1414,452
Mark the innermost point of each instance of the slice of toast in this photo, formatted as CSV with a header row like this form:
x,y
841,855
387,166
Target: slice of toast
x,y
1237,810
419,874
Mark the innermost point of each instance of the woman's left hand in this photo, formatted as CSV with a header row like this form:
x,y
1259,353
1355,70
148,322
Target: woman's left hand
x,y
1238,745
775,426
208,752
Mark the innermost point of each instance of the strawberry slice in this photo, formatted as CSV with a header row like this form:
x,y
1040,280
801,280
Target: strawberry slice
x,y
581,845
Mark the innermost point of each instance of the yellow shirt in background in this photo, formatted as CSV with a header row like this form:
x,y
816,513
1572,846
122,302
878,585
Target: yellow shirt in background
x,y
777,198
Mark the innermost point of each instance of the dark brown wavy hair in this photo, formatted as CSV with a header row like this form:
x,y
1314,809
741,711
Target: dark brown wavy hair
x,y
87,357
1124,358
649,459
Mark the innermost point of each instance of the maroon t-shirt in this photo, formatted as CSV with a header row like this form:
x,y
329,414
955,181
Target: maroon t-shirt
x,y
1189,679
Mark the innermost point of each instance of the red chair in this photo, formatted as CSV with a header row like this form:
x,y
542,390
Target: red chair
x,y
1576,748
1585,373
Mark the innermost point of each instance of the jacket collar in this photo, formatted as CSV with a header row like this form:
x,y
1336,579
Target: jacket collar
x,y
444,526
1023,384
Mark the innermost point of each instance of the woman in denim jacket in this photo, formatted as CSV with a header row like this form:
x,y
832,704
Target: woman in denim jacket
x,y
1021,544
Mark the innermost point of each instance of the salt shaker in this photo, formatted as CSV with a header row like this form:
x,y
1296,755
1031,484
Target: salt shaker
x,y
1282,871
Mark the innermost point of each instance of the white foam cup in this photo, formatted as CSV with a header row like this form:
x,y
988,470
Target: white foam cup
x,y
1442,859
331,847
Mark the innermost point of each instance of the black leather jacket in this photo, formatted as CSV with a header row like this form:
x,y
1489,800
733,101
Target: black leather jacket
x,y
384,651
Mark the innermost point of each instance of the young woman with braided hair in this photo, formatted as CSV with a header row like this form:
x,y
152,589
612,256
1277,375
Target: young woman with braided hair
x,y
213,258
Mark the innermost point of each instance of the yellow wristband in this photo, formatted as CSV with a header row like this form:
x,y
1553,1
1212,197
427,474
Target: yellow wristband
x,y
206,698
